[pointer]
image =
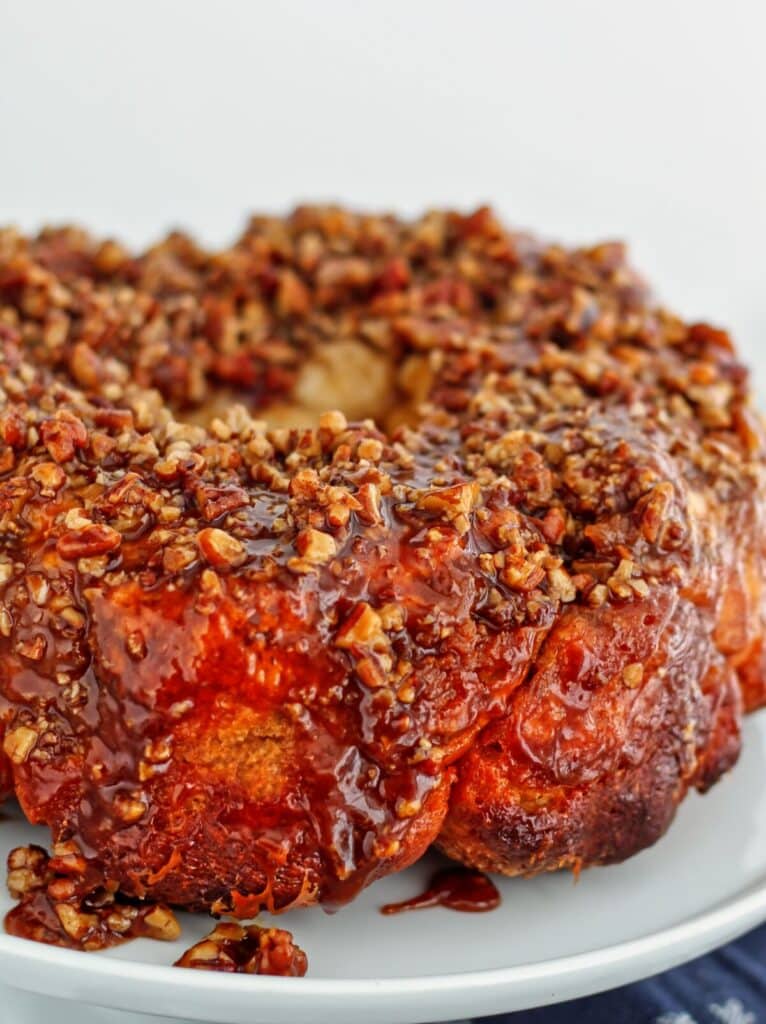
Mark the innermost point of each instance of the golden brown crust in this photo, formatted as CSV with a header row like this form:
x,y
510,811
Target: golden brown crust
x,y
245,666
598,748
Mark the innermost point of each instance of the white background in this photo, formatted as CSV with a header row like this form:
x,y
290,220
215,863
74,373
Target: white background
x,y
580,120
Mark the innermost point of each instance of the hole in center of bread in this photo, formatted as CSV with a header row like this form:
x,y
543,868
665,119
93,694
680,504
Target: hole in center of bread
x,y
345,374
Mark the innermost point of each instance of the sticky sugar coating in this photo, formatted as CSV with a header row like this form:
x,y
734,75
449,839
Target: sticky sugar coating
x,y
509,600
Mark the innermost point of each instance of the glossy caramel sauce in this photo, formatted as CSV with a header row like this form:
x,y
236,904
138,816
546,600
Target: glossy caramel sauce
x,y
461,889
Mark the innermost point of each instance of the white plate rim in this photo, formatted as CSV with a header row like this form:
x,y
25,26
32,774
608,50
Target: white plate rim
x,y
607,966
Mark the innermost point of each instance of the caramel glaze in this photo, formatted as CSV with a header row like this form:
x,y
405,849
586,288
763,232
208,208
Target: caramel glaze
x,y
243,668
471,892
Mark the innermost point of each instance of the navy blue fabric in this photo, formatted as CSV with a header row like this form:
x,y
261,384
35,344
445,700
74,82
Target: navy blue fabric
x,y
727,987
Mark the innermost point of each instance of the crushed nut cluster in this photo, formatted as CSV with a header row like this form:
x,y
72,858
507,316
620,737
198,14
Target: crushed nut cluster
x,y
201,609
62,901
236,949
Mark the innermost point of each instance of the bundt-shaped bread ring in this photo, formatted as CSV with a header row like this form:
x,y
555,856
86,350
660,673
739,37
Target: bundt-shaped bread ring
x,y
517,610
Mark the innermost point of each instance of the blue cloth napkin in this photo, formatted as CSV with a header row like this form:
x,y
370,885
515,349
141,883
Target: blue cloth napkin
x,y
727,987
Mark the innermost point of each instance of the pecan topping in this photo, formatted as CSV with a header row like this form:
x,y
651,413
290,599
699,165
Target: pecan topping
x,y
63,901
236,949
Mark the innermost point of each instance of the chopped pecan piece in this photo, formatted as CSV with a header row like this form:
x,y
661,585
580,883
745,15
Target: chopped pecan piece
x,y
220,549
94,539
